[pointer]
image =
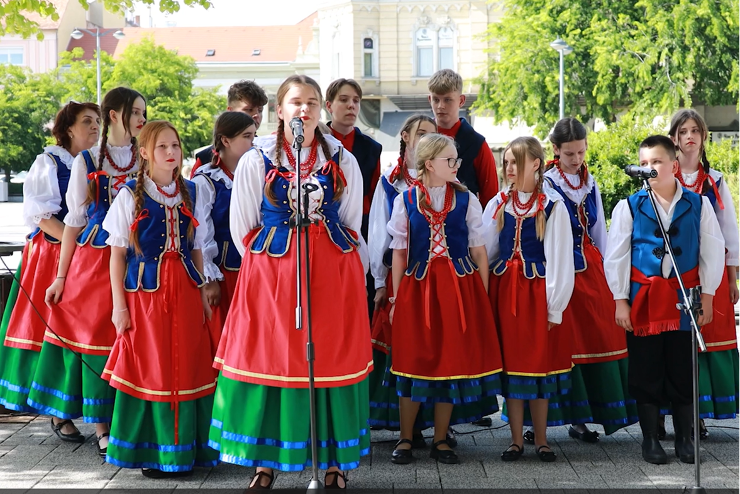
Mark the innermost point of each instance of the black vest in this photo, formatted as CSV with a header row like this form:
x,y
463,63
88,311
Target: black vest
x,y
469,143
367,152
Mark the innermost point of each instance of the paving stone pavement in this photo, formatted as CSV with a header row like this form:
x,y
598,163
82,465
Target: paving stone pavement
x,y
32,458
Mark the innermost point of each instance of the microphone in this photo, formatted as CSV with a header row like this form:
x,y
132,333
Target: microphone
x,y
643,172
296,124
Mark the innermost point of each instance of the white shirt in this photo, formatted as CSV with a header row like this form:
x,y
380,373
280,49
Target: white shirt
x,y
208,194
726,217
598,232
379,240
77,191
558,245
249,183
618,258
120,216
41,195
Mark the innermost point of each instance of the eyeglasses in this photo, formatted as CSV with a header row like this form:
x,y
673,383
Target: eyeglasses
x,y
451,162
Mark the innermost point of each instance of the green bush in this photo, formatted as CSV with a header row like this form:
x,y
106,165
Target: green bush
x,y
723,157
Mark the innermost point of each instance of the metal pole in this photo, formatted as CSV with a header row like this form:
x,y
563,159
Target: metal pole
x,y
97,44
562,83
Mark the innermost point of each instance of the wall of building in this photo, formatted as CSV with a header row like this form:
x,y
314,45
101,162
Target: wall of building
x,y
39,56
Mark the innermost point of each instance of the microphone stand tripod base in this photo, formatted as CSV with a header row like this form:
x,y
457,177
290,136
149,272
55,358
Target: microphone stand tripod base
x,y
316,485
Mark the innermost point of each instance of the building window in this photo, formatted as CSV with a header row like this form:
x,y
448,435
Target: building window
x,y
446,61
425,52
11,55
370,55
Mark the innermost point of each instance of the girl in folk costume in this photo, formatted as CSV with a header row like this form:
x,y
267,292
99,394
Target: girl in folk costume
x,y
160,364
67,383
232,137
528,229
393,181
76,127
599,376
718,366
260,415
441,311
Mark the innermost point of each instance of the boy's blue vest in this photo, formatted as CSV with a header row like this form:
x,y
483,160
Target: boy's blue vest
x,y
97,209
531,250
142,271
63,179
228,257
454,230
274,235
648,248
591,213
469,143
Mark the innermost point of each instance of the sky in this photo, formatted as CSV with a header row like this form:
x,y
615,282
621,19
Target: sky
x,y
232,13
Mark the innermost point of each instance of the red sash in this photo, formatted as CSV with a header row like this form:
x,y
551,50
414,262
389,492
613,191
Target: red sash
x,y
653,309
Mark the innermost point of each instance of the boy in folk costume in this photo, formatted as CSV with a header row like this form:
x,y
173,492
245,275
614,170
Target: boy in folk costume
x,y
641,278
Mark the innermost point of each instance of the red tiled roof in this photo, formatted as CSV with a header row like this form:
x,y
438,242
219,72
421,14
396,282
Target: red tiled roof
x,y
231,44
107,44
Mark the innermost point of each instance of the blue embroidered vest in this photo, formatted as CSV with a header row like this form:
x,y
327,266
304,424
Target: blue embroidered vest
x,y
63,180
648,248
228,257
390,194
454,230
709,193
469,143
275,233
519,237
588,209
142,271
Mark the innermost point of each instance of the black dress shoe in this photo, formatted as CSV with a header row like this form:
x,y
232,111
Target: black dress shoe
x,y
73,437
443,455
546,456
529,437
587,437
512,454
418,441
402,456
483,422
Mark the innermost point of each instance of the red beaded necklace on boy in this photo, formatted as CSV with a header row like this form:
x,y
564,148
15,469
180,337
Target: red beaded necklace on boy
x,y
307,166
118,168
582,174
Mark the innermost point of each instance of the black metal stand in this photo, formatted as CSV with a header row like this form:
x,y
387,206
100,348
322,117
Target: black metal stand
x,y
302,222
691,305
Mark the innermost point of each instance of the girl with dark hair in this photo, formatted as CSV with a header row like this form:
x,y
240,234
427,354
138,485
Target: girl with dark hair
x,y
260,415
83,333
393,181
599,347
161,361
232,137
76,127
718,366
531,252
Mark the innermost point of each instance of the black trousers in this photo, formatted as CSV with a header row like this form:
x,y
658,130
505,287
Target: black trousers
x,y
660,368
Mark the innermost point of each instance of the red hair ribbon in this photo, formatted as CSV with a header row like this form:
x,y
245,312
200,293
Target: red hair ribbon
x,y
716,191
554,162
541,203
275,173
396,171
332,166
184,210
142,215
96,176
504,200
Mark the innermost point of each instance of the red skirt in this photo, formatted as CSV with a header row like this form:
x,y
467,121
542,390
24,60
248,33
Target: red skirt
x,y
590,315
520,311
82,319
220,311
720,334
380,334
260,344
456,338
166,354
26,328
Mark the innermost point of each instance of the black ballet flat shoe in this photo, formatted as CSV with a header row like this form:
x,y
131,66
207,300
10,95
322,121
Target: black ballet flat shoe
x,y
335,484
102,451
74,437
483,422
512,454
254,486
443,455
155,473
450,438
586,437
402,456
418,441
529,437
546,456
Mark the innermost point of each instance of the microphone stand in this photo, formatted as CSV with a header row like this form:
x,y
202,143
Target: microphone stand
x,y
690,306
301,222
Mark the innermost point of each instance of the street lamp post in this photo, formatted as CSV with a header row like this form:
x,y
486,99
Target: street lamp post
x,y
564,49
97,34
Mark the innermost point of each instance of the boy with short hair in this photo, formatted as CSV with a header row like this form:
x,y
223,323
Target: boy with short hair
x,y
343,97
478,169
641,278
245,96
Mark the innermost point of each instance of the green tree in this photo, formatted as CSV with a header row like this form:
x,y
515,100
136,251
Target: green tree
x,y
14,13
650,55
